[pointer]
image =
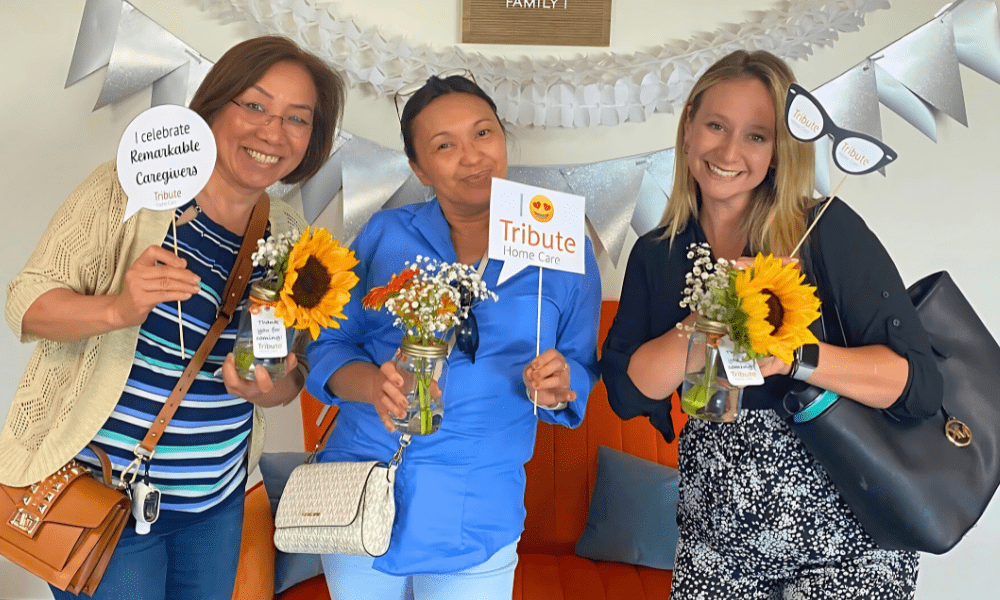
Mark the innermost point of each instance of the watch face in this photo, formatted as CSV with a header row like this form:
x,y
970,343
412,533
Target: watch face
x,y
809,355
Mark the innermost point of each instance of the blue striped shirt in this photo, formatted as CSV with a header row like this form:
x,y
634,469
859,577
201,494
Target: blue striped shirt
x,y
200,459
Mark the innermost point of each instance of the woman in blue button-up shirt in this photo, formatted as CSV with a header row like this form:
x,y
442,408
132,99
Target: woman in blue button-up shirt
x,y
459,491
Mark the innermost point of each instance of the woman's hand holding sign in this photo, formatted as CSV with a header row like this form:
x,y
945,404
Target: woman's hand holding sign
x,y
156,276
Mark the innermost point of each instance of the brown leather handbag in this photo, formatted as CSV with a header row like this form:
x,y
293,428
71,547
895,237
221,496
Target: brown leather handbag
x,y
64,528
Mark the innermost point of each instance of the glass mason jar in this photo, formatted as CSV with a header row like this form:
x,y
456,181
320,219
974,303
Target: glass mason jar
x,y
425,370
706,392
262,338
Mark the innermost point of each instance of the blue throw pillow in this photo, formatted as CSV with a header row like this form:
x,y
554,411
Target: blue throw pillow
x,y
633,512
289,569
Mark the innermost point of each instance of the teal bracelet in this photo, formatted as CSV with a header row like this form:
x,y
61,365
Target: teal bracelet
x,y
816,407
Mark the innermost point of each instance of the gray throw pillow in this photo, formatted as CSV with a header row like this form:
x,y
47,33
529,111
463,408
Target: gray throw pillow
x,y
633,512
289,569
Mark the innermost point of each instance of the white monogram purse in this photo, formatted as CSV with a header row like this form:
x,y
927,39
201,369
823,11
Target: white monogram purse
x,y
338,507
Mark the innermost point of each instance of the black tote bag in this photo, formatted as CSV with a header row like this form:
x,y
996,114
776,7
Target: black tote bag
x,y
910,485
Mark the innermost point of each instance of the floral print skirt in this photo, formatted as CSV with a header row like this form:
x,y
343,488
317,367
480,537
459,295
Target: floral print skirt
x,y
760,518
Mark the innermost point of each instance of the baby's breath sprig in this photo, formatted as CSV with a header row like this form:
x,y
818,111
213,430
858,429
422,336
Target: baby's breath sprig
x,y
707,288
272,252
425,298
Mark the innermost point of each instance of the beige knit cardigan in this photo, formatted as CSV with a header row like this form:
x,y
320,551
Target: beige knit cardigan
x,y
69,389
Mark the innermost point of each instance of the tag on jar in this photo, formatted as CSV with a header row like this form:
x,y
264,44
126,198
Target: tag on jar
x,y
741,373
269,334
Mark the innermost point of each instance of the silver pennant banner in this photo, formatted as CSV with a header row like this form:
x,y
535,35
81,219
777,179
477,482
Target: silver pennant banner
x,y
852,102
905,103
657,183
550,178
411,192
977,36
823,149
926,62
611,189
96,39
372,175
324,185
144,52
178,86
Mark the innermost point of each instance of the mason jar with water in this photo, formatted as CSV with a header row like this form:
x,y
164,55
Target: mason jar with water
x,y
706,392
262,338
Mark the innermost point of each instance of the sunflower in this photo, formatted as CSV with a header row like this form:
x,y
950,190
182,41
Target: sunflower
x,y
779,308
317,283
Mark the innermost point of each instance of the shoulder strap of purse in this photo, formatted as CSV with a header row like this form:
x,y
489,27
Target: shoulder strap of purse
x,y
235,286
397,458
811,256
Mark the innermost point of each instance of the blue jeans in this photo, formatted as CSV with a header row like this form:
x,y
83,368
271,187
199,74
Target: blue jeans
x,y
186,556
353,577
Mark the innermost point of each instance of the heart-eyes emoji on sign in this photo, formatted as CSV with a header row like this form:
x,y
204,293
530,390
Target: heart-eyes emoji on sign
x,y
541,209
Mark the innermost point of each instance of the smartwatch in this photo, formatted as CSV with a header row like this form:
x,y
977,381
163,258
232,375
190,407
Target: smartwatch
x,y
806,360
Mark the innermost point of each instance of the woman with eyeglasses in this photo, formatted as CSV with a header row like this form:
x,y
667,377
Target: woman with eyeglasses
x,y
758,517
100,295
460,490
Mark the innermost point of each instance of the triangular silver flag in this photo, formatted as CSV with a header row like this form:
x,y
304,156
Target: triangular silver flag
x,y
143,53
898,98
611,189
977,36
926,62
371,174
96,39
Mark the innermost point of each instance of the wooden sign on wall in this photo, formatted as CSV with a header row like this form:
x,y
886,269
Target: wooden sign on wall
x,y
537,22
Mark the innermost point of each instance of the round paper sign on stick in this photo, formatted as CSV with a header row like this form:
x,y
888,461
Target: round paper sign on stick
x,y
165,157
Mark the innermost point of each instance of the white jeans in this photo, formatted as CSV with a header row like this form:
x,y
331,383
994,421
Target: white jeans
x,y
353,578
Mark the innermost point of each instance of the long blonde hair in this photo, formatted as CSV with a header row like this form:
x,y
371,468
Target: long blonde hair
x,y
775,215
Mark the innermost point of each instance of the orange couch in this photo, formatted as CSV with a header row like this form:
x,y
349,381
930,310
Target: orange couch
x,y
560,480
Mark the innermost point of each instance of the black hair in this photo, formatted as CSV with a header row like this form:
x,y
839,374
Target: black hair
x,y
433,89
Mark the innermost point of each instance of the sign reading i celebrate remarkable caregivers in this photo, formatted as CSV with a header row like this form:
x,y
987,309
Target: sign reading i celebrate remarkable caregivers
x,y
165,157
535,227
537,22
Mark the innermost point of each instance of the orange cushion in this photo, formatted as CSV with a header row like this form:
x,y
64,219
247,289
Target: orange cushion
x,y
311,409
570,577
562,471
255,574
310,589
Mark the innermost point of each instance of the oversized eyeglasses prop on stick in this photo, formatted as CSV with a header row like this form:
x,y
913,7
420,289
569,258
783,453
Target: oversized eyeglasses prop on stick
x,y
165,157
854,153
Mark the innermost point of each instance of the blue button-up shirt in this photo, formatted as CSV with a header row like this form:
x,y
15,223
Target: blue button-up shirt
x,y
460,490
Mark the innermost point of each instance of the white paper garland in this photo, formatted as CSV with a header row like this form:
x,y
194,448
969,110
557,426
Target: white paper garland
x,y
604,88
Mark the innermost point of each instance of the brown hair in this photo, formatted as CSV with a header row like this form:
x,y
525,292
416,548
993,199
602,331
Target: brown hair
x,y
775,216
245,63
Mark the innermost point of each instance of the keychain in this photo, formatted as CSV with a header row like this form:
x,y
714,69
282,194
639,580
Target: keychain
x,y
145,503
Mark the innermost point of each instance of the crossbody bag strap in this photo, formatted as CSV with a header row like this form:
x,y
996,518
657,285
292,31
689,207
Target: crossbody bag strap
x,y
830,323
397,458
235,286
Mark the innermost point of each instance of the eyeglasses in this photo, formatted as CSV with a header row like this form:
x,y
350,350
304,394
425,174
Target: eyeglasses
x,y
467,330
254,114
854,152
406,91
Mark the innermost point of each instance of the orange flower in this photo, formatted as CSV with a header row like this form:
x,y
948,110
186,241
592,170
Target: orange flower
x,y
379,294
447,306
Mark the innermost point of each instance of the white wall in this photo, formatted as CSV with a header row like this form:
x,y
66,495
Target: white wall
x,y
935,209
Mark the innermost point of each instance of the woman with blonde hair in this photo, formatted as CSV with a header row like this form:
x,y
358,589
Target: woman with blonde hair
x,y
758,516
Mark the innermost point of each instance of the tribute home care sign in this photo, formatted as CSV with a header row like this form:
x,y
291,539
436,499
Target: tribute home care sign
x,y
537,22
